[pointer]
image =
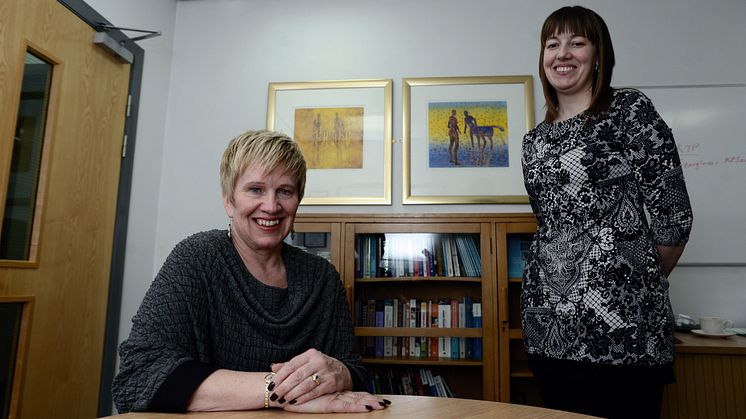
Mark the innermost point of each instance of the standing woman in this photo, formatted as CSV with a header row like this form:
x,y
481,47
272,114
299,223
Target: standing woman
x,y
597,321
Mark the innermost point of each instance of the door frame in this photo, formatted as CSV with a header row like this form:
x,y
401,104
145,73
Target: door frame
x,y
116,277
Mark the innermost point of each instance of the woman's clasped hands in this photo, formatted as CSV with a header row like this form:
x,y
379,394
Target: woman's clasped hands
x,y
314,382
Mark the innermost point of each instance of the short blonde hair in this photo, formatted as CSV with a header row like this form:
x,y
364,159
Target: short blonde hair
x,y
266,149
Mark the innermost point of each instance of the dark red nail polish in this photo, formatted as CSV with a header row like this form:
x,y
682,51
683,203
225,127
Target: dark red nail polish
x,y
273,397
369,407
281,401
271,386
382,404
293,401
387,401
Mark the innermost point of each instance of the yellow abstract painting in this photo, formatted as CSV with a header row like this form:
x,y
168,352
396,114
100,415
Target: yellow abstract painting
x,y
330,138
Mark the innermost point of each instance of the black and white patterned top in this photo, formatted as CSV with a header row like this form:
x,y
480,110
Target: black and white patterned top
x,y
594,288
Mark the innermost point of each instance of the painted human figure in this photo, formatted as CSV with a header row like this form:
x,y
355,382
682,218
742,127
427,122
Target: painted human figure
x,y
471,122
453,132
316,138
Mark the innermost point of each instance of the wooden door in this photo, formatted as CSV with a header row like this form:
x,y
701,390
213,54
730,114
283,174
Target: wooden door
x,y
66,271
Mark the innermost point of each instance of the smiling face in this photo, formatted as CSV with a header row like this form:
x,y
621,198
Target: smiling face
x,y
568,62
263,209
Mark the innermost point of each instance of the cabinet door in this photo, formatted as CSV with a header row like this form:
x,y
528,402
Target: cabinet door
x,y
516,384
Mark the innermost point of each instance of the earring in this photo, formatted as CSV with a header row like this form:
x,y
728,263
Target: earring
x,y
230,223
292,234
595,68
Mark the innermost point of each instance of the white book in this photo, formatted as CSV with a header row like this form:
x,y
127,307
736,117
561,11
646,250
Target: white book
x,y
448,389
444,320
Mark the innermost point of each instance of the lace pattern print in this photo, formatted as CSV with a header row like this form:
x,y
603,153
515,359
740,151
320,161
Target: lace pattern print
x,y
594,288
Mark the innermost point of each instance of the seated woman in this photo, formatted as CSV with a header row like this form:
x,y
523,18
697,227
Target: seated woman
x,y
239,320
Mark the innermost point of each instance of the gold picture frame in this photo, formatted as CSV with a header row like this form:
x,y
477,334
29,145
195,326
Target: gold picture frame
x,y
344,128
485,167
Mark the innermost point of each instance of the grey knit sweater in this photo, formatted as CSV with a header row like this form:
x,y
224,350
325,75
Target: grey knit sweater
x,y
205,311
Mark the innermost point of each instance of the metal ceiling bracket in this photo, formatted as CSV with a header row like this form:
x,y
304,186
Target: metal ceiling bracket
x,y
148,34
116,48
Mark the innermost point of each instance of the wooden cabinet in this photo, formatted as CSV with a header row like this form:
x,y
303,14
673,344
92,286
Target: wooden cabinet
x,y
710,378
516,384
387,258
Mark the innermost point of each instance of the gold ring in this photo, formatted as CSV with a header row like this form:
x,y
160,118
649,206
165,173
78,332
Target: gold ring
x,y
315,378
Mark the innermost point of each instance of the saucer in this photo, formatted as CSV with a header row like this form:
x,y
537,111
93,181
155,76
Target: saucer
x,y
724,334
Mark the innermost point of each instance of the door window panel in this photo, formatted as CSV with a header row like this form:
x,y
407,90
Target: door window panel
x,y
28,142
10,322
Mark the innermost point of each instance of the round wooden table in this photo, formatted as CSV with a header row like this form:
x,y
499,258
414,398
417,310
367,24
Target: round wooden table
x,y
409,407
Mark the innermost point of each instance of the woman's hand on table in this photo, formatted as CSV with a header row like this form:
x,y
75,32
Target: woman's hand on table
x,y
340,402
308,376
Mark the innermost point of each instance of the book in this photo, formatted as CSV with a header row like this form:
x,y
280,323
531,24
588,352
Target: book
x,y
444,321
462,325
388,321
431,383
461,247
433,341
370,341
477,342
447,256
406,381
424,322
473,244
468,322
439,257
379,323
454,255
421,390
448,390
454,324
413,344
440,387
425,383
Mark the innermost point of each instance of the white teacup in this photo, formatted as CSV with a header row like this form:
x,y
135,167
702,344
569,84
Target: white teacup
x,y
714,324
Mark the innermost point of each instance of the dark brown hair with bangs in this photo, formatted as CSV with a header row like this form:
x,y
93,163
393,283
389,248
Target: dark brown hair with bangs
x,y
581,21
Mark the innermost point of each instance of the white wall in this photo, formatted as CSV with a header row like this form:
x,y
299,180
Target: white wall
x,y
225,52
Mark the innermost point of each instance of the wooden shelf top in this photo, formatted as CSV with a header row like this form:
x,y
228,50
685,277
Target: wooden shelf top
x,y
693,344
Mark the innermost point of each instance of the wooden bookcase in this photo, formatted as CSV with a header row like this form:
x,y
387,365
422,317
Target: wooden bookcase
x,y
488,378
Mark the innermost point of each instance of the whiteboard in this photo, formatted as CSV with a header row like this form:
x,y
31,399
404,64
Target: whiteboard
x,y
708,124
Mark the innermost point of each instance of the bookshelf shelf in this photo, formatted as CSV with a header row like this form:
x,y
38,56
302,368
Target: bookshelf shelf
x,y
515,334
426,332
428,279
422,361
